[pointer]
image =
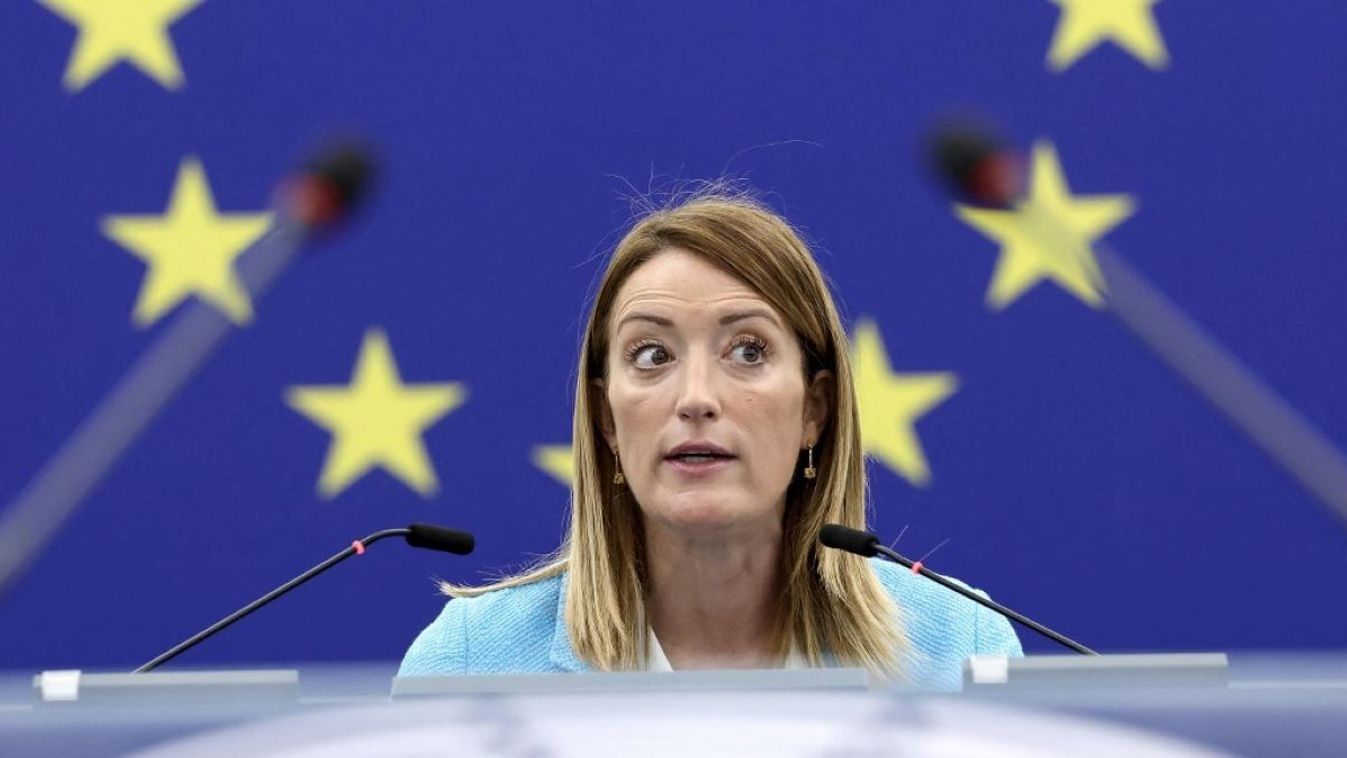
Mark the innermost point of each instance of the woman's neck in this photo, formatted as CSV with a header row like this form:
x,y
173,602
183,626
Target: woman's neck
x,y
714,599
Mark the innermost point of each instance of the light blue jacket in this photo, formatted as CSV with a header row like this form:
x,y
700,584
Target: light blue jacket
x,y
523,630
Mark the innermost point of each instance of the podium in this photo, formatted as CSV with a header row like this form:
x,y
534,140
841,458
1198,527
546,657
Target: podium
x,y
1125,705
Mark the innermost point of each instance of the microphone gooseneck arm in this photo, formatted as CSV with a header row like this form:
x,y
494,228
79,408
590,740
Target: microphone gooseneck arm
x,y
868,545
439,538
1060,639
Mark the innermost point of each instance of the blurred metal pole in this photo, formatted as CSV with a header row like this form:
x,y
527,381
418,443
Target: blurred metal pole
x,y
33,518
1244,399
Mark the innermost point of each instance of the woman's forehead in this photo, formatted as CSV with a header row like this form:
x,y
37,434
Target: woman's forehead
x,y
679,279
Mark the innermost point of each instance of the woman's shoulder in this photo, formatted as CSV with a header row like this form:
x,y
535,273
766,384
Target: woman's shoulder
x,y
516,603
940,623
509,629
916,592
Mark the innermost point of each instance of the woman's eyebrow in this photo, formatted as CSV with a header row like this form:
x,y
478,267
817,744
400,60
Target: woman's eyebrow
x,y
643,317
725,320
755,313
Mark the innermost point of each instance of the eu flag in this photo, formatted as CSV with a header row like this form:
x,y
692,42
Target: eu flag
x,y
417,364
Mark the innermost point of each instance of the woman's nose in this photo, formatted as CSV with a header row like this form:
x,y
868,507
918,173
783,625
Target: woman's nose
x,y
697,396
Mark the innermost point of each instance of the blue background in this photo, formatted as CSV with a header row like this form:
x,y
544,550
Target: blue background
x,y
1075,477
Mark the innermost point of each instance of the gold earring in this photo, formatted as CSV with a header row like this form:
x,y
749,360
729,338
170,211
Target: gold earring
x,y
809,471
618,478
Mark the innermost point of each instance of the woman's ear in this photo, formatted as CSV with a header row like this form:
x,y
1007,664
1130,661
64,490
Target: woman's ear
x,y
818,404
598,398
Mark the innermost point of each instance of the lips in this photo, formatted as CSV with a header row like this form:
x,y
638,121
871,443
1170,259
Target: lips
x,y
694,451
698,460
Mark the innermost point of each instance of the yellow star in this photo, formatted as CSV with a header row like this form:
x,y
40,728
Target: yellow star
x,y
1085,23
116,30
1049,235
555,460
890,405
376,420
190,249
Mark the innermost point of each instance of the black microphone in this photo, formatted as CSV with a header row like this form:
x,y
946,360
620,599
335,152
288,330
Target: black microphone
x,y
439,538
329,186
417,535
977,165
868,545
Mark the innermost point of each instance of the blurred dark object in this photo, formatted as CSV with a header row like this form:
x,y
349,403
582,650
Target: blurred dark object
x,y
979,167
329,186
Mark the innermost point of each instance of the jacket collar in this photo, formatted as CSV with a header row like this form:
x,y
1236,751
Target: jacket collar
x,y
560,652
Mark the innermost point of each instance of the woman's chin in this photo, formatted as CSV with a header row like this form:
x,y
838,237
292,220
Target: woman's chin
x,y
701,512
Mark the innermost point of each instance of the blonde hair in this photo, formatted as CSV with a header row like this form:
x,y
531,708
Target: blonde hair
x,y
832,603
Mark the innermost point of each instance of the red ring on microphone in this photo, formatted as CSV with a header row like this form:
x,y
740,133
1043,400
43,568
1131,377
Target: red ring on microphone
x,y
916,567
358,546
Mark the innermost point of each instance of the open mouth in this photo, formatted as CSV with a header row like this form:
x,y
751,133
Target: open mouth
x,y
699,464
699,457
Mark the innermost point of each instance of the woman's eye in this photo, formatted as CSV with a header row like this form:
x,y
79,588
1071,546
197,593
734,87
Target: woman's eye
x,y
751,351
649,356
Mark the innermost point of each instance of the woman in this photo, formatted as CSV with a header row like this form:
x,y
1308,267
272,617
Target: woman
x,y
715,433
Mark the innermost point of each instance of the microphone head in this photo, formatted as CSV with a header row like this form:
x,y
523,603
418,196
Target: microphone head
x,y
329,185
440,538
977,165
848,539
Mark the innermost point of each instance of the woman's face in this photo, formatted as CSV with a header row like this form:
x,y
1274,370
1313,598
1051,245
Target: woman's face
x,y
706,403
